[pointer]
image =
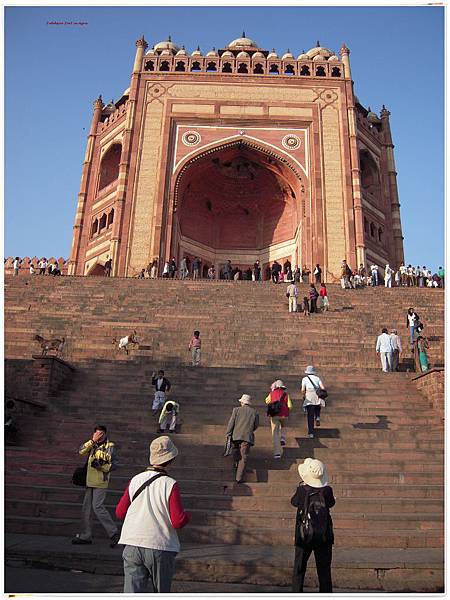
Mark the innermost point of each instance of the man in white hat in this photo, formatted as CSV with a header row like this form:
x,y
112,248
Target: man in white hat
x,y
279,405
243,422
316,496
153,511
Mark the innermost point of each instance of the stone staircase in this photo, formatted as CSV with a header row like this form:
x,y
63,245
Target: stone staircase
x,y
380,438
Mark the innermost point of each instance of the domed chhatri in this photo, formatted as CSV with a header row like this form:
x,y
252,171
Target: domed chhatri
x,y
318,50
166,45
231,105
243,42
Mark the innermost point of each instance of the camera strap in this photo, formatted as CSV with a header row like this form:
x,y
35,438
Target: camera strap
x,y
147,483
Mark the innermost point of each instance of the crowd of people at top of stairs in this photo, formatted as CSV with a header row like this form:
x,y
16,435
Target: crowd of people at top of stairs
x,y
389,346
404,276
41,267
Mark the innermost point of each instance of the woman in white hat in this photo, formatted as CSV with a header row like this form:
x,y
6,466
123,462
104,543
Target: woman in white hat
x,y
311,401
314,527
279,404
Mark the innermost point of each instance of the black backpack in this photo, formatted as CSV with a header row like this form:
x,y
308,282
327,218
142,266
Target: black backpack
x,y
312,525
274,408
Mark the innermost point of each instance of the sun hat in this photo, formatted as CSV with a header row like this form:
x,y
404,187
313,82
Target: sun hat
x,y
313,472
162,449
278,384
310,370
245,399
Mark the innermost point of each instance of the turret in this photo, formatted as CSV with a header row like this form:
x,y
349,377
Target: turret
x,y
345,53
141,46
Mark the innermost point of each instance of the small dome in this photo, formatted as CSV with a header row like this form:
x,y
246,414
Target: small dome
x,y
319,58
303,56
212,52
227,54
372,117
243,42
287,56
319,51
126,92
166,45
166,52
181,52
333,58
150,52
243,55
197,52
272,54
258,56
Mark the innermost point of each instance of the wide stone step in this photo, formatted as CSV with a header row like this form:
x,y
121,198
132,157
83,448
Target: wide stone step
x,y
376,569
228,533
39,497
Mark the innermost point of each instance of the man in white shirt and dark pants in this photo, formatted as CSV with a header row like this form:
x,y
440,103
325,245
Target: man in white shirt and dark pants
x,y
384,349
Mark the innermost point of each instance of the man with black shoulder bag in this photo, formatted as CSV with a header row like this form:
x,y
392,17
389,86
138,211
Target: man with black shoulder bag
x,y
152,511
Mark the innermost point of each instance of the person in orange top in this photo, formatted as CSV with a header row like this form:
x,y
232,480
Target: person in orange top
x,y
195,348
279,404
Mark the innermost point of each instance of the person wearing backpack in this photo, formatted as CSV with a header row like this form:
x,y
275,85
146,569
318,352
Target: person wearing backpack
x,y
312,403
314,527
152,511
278,406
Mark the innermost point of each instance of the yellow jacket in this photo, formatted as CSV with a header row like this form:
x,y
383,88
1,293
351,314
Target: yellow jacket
x,y
106,454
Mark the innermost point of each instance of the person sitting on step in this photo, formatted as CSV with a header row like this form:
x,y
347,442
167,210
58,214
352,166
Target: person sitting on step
x,y
169,417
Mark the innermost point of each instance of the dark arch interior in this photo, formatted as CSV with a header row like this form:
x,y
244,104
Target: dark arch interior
x,y
238,198
109,168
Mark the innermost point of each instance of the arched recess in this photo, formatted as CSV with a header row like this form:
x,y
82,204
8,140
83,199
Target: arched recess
x,y
370,177
109,166
240,197
96,269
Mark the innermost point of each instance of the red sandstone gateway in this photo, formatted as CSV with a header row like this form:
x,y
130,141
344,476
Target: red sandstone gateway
x,y
237,154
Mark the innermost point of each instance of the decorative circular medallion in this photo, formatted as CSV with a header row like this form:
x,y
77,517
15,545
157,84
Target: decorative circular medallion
x,y
191,138
291,141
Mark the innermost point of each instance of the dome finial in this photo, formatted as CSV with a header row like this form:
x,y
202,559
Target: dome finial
x,y
318,44
198,48
243,33
169,39
369,109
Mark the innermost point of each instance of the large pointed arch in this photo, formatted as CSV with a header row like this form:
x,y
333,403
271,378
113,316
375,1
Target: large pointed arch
x,y
271,159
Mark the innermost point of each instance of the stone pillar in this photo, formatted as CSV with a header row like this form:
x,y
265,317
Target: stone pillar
x,y
118,258
82,194
48,373
354,161
388,151
345,53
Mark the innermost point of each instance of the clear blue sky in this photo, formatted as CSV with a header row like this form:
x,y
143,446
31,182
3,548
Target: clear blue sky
x,y
53,74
